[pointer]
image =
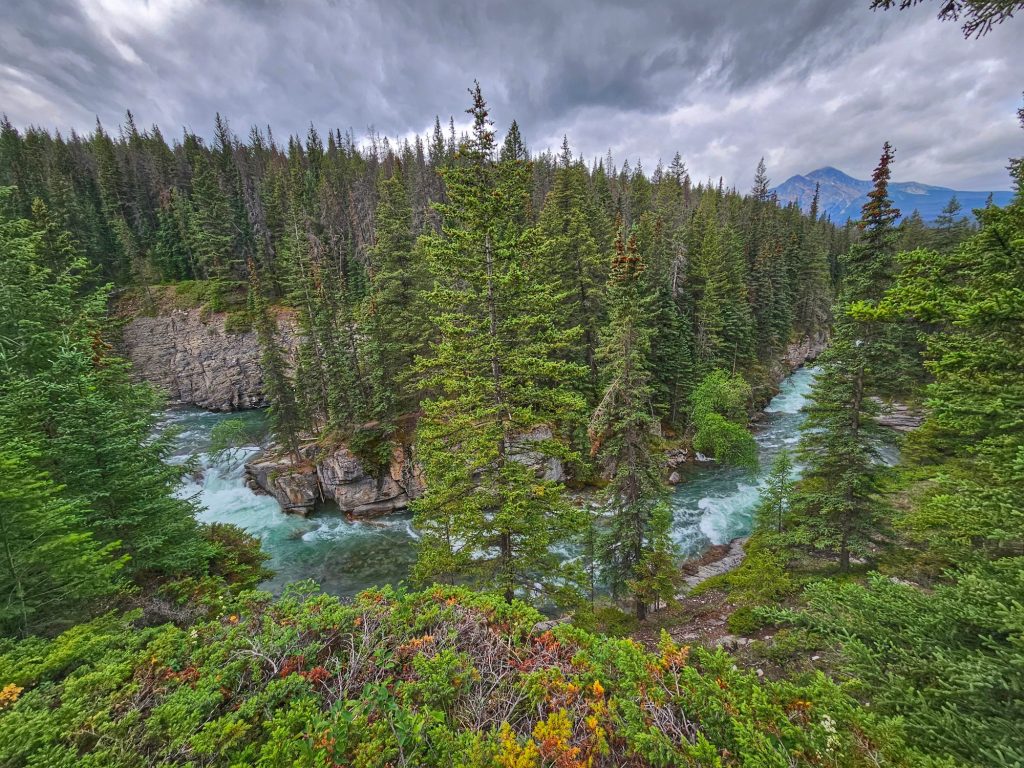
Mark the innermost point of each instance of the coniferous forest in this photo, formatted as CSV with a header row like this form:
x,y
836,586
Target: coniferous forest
x,y
495,313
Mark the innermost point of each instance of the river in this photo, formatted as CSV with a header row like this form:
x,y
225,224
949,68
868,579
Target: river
x,y
713,505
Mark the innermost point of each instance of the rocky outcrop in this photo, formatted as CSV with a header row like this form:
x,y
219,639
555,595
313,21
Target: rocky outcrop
x,y
343,479
196,360
675,460
804,351
340,476
899,417
295,485
730,559
547,467
336,475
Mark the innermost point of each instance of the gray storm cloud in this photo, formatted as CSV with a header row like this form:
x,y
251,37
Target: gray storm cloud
x,y
803,83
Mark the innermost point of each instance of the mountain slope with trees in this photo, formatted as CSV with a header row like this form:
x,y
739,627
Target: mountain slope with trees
x,y
505,312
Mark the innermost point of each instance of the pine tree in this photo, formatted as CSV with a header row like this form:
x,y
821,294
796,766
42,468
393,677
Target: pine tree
x,y
813,297
277,384
568,251
210,233
838,501
969,300
760,189
950,227
393,311
52,571
171,253
636,550
777,495
723,321
68,401
494,377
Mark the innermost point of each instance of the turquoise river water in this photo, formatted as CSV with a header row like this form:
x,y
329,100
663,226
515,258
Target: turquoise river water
x,y
713,505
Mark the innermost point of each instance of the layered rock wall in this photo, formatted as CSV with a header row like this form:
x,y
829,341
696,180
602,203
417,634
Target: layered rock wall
x,y
197,361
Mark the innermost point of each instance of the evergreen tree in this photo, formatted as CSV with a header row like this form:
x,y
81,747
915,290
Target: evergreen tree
x,y
68,402
723,320
777,495
760,189
838,497
813,299
210,234
950,227
568,251
495,377
52,572
636,550
277,384
393,311
969,300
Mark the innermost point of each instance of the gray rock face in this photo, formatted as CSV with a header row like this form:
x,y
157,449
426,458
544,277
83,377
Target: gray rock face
x,y
343,478
295,486
732,558
547,467
340,476
196,361
337,475
899,417
804,351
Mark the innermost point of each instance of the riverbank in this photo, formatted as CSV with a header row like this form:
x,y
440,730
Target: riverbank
x,y
713,506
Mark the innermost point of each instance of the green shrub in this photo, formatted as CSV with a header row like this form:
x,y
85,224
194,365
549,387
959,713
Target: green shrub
x,y
239,321
606,620
437,678
743,621
761,578
189,294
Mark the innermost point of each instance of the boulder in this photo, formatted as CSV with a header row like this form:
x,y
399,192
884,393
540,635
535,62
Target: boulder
x,y
294,485
547,467
899,417
337,475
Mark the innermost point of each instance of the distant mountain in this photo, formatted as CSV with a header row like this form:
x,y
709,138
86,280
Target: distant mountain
x,y
842,195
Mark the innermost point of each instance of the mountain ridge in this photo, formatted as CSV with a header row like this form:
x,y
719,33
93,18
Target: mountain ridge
x,y
843,195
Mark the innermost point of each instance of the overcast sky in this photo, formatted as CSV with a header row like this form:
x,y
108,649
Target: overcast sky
x,y
805,83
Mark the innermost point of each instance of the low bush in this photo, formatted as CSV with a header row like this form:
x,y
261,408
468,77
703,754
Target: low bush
x,y
438,678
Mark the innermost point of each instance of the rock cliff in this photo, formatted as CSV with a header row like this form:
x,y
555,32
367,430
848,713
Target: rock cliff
x,y
804,351
197,361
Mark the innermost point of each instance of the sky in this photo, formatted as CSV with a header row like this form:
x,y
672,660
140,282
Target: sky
x,y
803,83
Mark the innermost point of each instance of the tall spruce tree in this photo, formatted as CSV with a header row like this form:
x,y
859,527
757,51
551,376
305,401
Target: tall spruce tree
x,y
568,251
636,550
393,313
724,326
777,495
948,659
497,385
278,385
67,401
813,295
838,498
